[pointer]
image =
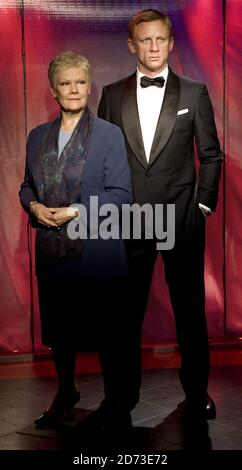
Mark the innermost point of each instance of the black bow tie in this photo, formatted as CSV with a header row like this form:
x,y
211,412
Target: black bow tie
x,y
147,81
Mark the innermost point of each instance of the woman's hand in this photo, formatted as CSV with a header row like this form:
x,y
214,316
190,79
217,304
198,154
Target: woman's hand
x,y
61,215
43,214
53,216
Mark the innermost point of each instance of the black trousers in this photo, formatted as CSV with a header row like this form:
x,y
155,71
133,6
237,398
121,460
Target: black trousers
x,y
184,274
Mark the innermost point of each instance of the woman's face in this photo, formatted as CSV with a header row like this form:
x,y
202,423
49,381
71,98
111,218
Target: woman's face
x,y
72,88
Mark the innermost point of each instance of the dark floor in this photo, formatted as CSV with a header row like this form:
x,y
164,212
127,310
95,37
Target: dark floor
x,y
157,418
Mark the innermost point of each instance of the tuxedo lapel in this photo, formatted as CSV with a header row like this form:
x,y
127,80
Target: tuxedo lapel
x,y
130,120
167,116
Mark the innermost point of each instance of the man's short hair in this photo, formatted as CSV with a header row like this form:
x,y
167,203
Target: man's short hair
x,y
147,16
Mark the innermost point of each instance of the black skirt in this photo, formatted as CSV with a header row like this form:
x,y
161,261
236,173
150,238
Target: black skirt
x,y
82,300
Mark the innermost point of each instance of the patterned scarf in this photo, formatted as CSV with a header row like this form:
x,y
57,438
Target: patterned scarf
x,y
58,184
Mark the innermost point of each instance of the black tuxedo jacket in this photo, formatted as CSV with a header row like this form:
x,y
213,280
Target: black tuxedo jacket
x,y
170,176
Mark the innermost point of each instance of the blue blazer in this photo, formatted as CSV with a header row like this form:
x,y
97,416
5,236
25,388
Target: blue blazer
x,y
106,175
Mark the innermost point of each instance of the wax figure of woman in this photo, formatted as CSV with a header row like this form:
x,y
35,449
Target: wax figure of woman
x,y
70,160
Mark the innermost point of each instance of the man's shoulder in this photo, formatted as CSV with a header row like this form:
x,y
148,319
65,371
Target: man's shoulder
x,y
190,82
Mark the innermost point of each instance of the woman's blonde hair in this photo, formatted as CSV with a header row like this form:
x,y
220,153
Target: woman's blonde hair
x,y
67,60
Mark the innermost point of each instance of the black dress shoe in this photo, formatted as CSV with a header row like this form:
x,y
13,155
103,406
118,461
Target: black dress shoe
x,y
199,408
60,409
210,412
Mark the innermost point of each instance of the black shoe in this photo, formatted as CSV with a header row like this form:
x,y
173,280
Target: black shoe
x,y
60,409
210,408
197,408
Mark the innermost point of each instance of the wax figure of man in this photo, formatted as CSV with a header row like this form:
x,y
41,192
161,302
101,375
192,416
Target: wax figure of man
x,y
161,115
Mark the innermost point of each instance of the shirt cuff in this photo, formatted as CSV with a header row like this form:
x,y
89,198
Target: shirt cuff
x,y
206,208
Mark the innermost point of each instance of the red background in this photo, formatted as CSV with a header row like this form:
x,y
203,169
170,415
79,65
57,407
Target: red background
x,y
208,47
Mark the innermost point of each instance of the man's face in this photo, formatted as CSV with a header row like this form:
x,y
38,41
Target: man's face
x,y
151,44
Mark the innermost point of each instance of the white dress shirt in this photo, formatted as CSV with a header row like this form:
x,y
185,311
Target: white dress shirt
x,y
150,101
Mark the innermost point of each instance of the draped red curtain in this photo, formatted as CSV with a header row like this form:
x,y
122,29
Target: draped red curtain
x,y
233,167
32,32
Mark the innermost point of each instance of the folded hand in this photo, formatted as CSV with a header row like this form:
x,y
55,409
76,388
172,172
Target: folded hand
x,y
52,216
